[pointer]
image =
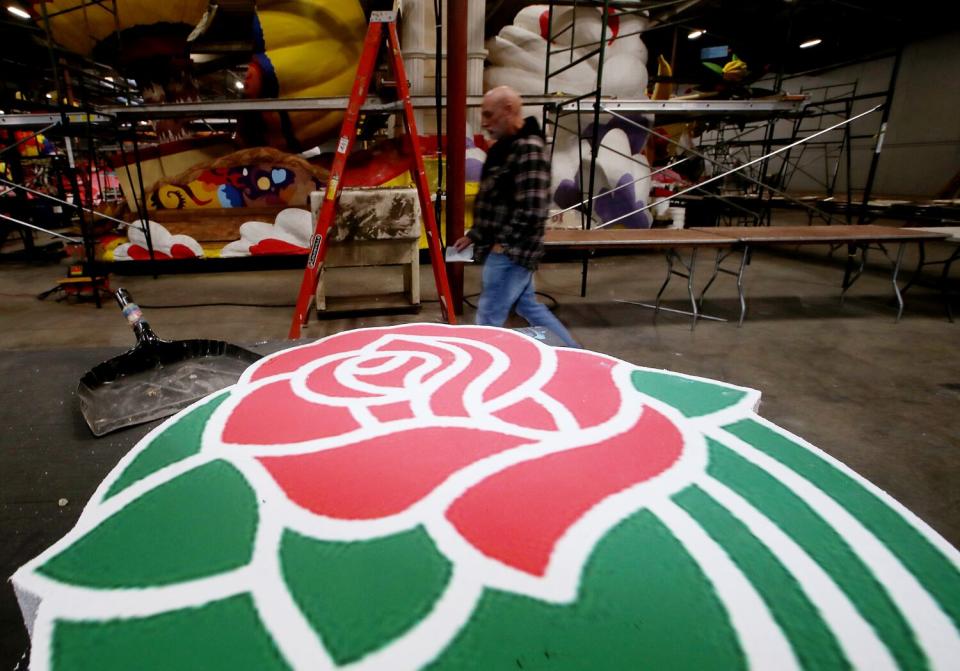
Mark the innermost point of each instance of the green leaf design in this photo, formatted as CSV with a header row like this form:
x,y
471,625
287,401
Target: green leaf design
x,y
812,640
641,593
693,398
198,524
824,544
225,634
934,571
359,596
175,443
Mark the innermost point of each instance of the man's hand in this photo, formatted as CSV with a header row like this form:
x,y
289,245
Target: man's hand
x,y
462,243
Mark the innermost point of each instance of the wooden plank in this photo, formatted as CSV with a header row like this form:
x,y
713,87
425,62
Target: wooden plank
x,y
652,238
805,235
952,231
207,225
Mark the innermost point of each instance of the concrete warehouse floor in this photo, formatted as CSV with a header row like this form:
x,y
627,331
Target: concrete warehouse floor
x,y
881,397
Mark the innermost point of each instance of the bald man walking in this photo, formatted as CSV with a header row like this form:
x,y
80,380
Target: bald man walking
x,y
509,215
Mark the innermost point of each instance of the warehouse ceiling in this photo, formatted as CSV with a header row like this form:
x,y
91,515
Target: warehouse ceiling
x,y
764,33
767,33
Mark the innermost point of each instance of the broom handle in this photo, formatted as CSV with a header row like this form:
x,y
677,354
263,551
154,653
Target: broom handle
x,y
134,316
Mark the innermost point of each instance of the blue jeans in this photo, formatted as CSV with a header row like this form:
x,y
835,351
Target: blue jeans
x,y
506,284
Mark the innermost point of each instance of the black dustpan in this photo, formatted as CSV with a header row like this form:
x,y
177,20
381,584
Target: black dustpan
x,y
156,378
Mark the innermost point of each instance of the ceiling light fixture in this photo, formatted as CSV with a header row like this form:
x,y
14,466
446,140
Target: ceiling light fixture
x,y
810,43
694,34
19,13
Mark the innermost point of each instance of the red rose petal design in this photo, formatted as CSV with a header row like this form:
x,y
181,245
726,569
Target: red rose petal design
x,y
523,351
446,356
353,340
584,384
322,381
447,400
290,361
393,378
524,356
382,476
528,413
518,515
392,412
373,363
273,414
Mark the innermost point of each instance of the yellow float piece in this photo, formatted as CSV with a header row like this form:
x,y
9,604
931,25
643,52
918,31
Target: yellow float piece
x,y
313,47
81,29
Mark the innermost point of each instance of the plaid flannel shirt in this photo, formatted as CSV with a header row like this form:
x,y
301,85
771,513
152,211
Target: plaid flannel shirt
x,y
511,205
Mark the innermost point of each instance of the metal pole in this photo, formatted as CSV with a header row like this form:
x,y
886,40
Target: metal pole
x,y
62,202
86,231
546,70
143,194
23,205
595,137
878,147
456,138
772,123
38,228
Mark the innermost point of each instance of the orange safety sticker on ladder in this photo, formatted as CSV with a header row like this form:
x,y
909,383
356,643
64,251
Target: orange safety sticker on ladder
x,y
332,188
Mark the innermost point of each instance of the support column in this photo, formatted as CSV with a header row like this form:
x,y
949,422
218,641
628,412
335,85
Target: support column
x,y
878,145
476,53
416,41
456,136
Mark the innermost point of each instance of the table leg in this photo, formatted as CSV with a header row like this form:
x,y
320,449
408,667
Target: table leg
x,y
945,280
673,257
721,256
743,302
669,254
850,276
693,299
920,264
896,288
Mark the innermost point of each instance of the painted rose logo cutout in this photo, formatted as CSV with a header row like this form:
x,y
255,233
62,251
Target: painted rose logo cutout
x,y
467,497
475,435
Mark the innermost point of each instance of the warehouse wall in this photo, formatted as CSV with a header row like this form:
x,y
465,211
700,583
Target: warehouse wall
x,y
921,149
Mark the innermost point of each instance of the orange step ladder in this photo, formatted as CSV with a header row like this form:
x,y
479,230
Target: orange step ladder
x,y
348,132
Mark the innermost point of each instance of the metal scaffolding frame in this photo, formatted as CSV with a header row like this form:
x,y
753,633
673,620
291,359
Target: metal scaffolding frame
x,y
768,113
123,120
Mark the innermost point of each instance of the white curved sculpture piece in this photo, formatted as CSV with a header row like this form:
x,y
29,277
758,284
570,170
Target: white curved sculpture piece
x,y
517,57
